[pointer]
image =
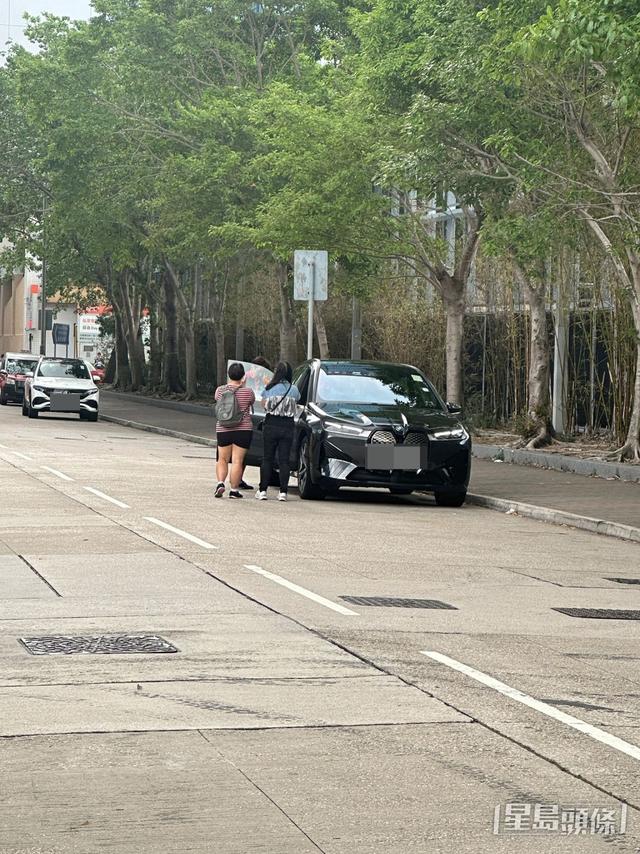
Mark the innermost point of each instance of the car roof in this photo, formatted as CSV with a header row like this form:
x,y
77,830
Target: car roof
x,y
365,362
65,359
25,356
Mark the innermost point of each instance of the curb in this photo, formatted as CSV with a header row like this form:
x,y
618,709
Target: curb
x,y
557,462
557,517
162,431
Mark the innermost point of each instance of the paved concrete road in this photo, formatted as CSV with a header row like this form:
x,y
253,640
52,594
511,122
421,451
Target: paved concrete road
x,y
293,719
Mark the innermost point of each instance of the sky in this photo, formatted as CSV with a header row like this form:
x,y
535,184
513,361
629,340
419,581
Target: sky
x,y
11,12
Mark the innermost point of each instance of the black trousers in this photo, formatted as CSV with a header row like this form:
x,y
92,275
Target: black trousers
x,y
278,438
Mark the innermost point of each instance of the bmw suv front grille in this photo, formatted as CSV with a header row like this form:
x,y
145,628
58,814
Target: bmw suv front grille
x,y
383,437
386,437
416,439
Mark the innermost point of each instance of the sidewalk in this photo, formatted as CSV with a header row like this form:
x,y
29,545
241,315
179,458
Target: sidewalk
x,y
610,500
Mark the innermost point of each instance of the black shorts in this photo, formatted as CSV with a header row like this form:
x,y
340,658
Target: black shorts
x,y
241,438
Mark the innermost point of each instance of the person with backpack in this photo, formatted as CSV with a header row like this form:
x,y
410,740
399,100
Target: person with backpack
x,y
280,400
234,429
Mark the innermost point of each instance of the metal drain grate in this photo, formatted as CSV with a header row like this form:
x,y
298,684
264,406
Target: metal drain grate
x,y
97,645
394,602
624,580
599,613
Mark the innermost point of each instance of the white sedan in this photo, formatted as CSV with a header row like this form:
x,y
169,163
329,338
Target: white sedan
x,y
61,385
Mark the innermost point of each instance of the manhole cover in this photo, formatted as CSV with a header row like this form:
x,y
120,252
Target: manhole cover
x,y
624,580
97,644
599,613
394,602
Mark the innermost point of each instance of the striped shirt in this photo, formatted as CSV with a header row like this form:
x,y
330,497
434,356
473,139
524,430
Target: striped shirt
x,y
246,398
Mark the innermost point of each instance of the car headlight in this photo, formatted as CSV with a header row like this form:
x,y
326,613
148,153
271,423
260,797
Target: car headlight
x,y
346,429
453,434
90,392
40,389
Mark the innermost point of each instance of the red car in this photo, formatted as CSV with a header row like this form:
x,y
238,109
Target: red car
x,y
14,370
98,372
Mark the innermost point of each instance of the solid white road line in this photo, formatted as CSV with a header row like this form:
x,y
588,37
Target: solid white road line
x,y
301,590
180,533
107,497
57,473
22,456
4,447
544,708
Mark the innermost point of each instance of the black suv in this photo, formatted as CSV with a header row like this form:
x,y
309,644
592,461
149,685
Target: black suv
x,y
374,424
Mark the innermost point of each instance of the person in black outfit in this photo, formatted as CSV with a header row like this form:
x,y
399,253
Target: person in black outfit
x,y
280,400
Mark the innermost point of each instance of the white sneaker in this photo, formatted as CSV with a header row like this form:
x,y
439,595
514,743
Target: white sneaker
x,y
261,496
282,496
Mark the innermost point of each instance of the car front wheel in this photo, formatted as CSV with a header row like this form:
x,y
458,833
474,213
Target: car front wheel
x,y
307,489
3,398
31,412
25,411
450,499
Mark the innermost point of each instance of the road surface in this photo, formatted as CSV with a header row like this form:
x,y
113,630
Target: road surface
x,y
294,717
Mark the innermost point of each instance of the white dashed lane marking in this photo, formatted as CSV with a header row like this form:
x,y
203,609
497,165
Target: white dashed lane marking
x,y
57,473
106,497
340,609
180,533
544,708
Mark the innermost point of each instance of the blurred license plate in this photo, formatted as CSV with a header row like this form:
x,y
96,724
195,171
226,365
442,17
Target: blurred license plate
x,y
394,458
64,402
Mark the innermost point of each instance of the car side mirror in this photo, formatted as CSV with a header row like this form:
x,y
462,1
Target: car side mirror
x,y
454,408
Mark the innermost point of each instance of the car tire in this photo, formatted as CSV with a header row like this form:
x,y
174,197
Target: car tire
x,y
400,490
25,411
92,416
450,499
3,398
307,489
31,412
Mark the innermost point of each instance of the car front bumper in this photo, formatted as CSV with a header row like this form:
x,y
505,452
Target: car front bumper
x,y
340,461
42,403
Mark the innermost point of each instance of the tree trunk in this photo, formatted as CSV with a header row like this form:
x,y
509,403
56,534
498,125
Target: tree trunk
x,y
538,398
631,448
123,372
239,350
288,339
321,330
190,361
155,346
221,359
356,329
171,368
110,372
453,298
131,329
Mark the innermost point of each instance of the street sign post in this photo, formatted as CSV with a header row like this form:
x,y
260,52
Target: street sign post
x,y
60,333
310,283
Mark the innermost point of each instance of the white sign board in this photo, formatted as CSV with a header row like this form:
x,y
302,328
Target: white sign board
x,y
88,329
310,265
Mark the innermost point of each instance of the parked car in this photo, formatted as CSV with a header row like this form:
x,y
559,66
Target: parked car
x,y
98,373
374,424
14,370
61,385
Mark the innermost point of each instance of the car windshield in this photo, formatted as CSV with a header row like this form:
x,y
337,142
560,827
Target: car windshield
x,y
20,366
65,368
375,385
